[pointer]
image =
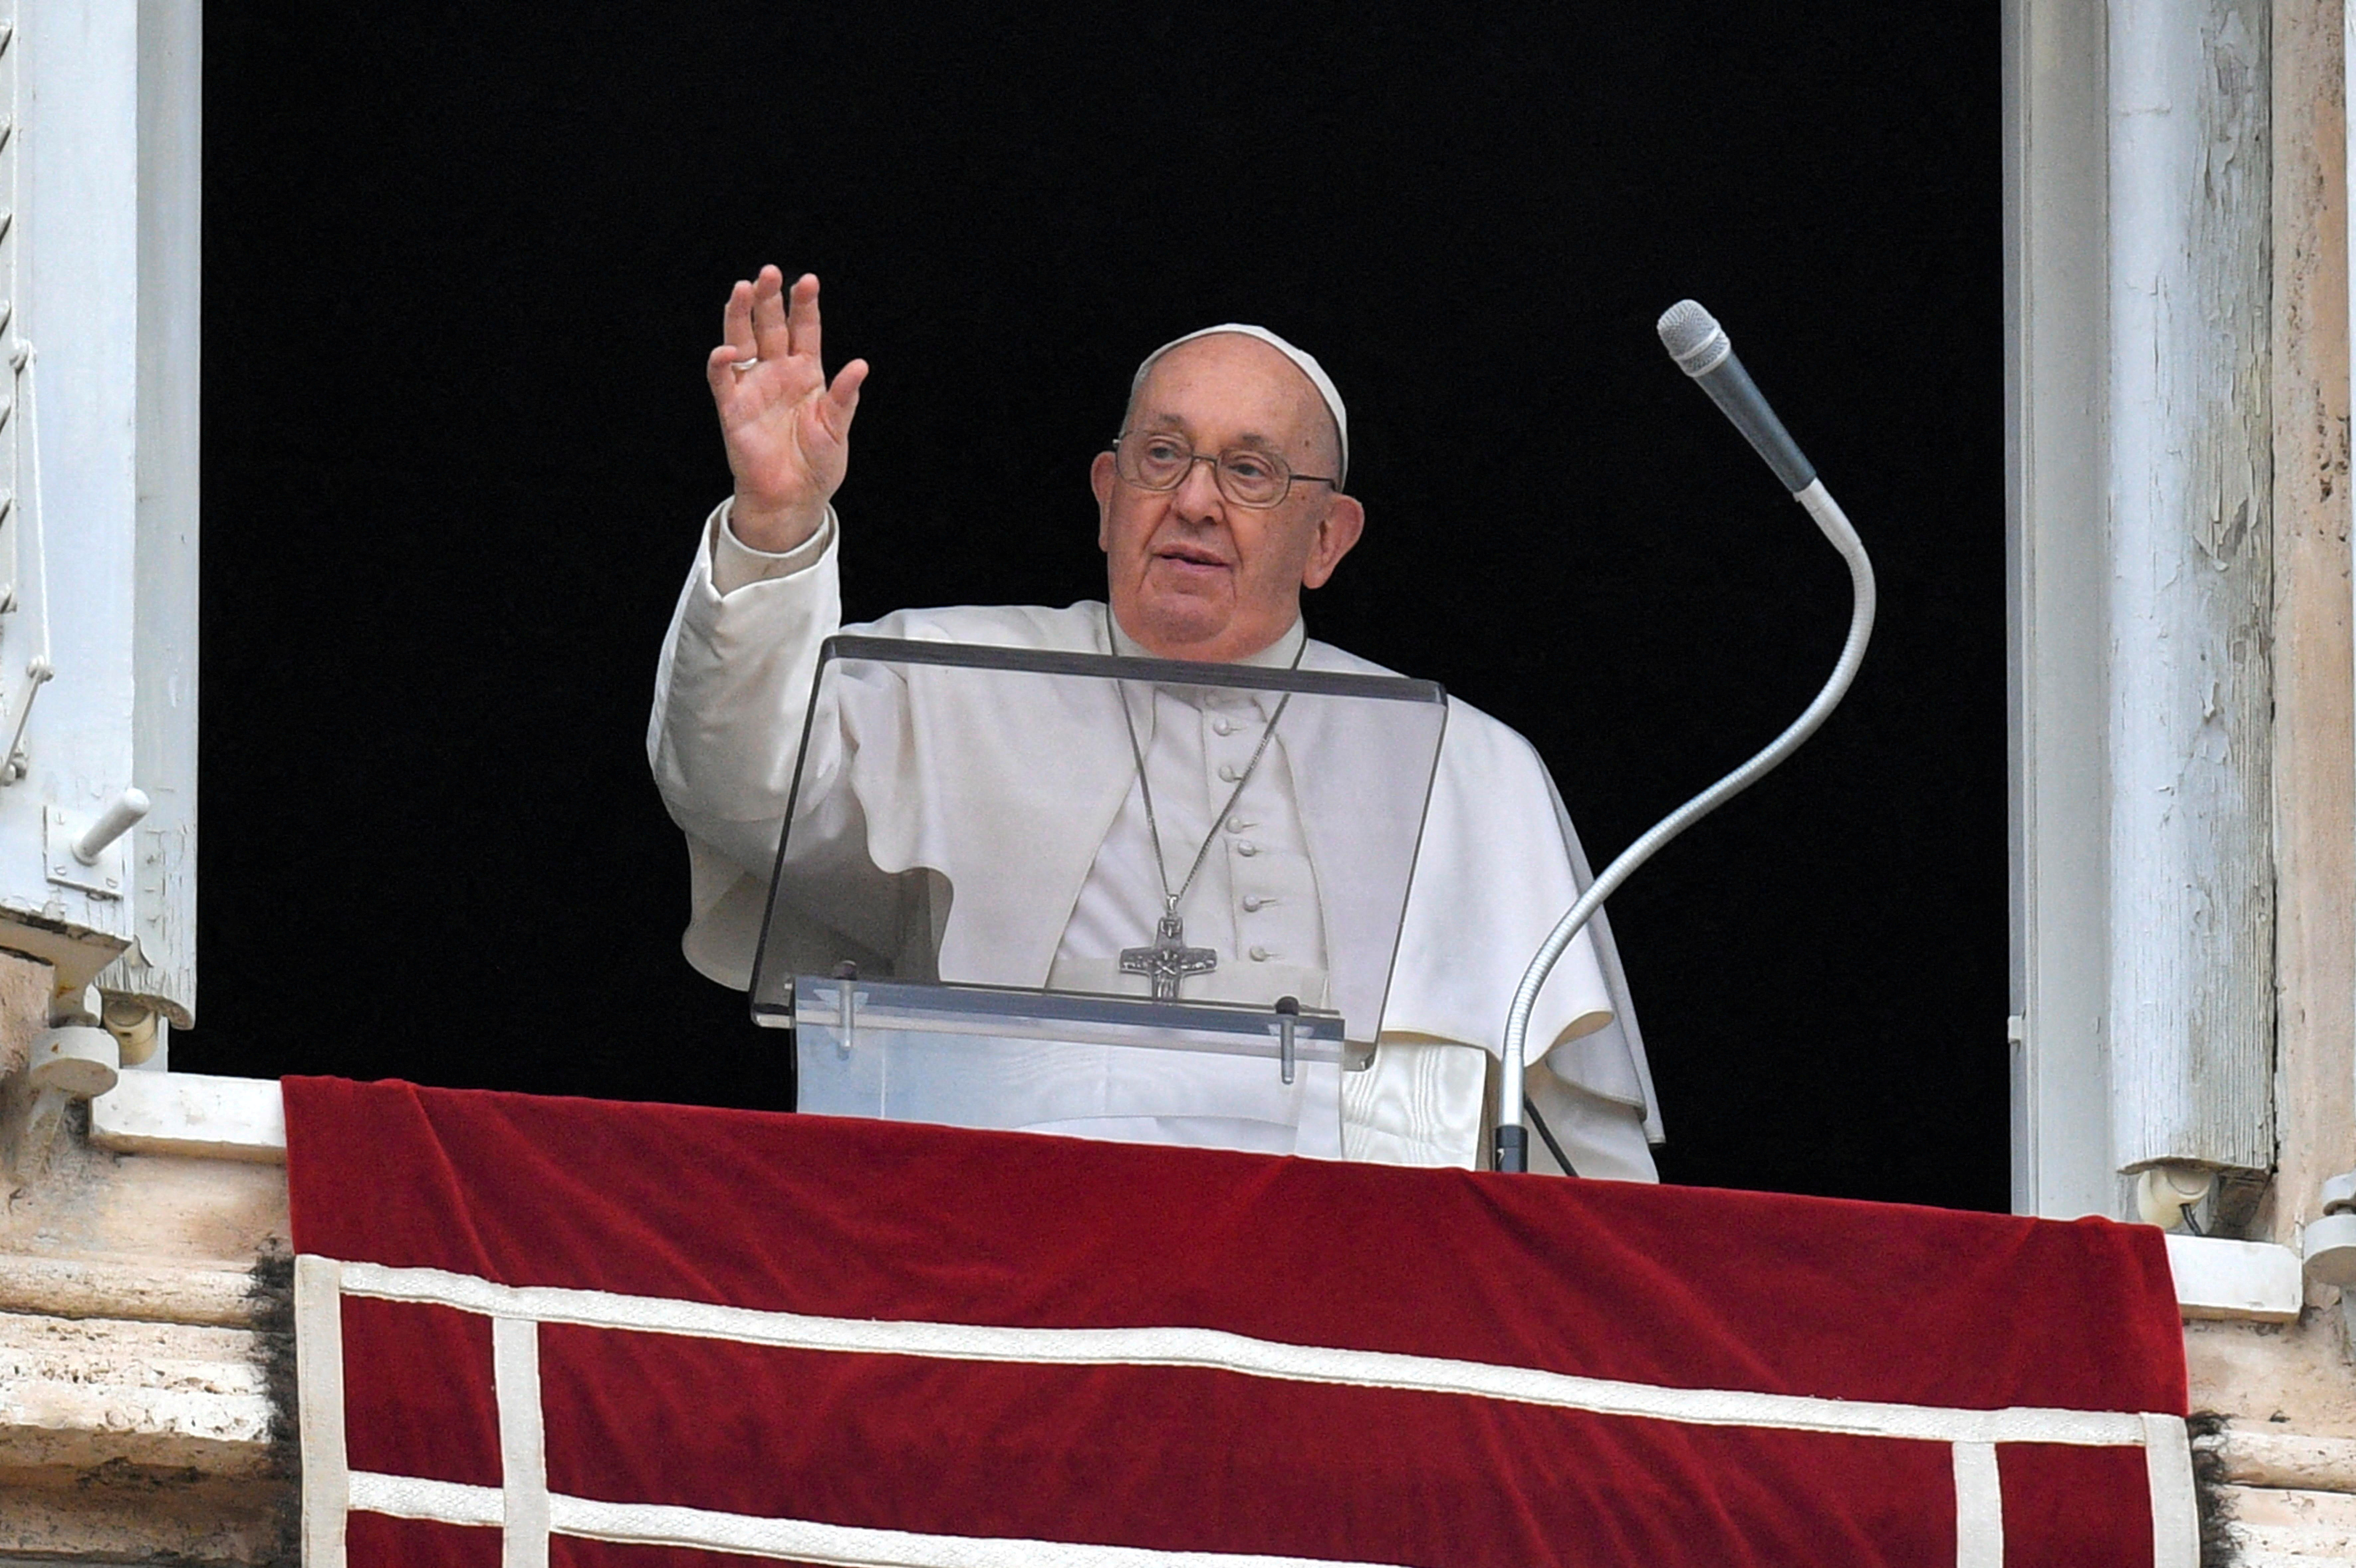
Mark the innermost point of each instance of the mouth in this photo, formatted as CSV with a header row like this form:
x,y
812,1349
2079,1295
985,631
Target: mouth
x,y
1190,558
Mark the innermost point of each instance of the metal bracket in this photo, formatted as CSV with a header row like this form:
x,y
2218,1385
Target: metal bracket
x,y
104,878
2327,1245
13,765
847,1008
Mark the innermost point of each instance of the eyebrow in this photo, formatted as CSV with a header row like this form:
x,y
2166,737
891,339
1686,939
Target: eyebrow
x,y
1250,438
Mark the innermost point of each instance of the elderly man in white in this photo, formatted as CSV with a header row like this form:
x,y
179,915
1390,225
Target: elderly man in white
x,y
1221,500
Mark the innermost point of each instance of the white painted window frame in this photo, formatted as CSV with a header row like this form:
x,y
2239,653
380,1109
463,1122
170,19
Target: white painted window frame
x,y
2056,391
2139,451
99,552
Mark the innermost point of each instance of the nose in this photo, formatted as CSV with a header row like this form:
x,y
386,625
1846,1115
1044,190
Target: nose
x,y
1198,495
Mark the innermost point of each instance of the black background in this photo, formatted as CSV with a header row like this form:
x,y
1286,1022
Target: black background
x,y
462,263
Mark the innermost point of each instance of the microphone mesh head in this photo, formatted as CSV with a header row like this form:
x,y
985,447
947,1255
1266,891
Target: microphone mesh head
x,y
1692,337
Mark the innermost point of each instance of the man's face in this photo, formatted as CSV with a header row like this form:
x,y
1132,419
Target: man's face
x,y
1191,574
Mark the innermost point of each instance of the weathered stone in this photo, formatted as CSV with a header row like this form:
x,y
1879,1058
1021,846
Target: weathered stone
x,y
2266,1456
2296,1376
93,1206
119,1513
2270,1526
25,987
133,1291
83,1393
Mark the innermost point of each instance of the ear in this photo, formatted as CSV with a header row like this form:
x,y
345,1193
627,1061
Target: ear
x,y
1100,480
1345,521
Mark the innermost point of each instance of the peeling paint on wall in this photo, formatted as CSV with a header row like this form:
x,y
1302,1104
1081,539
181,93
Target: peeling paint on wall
x,y
2192,584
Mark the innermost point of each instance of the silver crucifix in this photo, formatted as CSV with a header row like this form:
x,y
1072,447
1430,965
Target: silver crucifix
x,y
1169,959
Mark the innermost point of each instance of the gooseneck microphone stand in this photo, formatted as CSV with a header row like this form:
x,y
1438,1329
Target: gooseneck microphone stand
x,y
1700,346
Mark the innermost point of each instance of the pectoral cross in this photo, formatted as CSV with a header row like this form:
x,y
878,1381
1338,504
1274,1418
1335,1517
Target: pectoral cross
x,y
1169,959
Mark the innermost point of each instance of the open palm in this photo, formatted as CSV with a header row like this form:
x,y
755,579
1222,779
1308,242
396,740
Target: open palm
x,y
787,431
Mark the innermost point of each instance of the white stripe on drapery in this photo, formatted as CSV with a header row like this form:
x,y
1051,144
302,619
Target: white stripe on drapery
x,y
793,1540
319,1409
523,1458
804,1541
530,1513
435,1502
2175,1511
1979,1508
1216,1350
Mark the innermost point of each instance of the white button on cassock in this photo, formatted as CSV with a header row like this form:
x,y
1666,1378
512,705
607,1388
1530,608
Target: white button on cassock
x,y
1259,954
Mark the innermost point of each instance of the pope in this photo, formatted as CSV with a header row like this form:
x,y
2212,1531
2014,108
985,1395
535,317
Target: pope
x,y
1219,502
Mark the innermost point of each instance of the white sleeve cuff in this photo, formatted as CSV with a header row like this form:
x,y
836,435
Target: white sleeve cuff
x,y
736,564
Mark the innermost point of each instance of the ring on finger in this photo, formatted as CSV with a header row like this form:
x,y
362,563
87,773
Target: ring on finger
x,y
741,366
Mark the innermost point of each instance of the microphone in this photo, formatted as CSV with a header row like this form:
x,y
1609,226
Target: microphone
x,y
1699,346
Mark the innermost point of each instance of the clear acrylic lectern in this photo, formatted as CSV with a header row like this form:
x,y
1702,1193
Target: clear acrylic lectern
x,y
968,924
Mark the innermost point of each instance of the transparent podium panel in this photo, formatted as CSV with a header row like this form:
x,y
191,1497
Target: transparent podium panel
x,y
1071,891
1204,1073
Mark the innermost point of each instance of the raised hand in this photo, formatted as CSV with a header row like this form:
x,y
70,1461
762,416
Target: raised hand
x,y
788,432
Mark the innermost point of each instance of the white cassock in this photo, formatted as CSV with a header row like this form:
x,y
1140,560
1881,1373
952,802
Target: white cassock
x,y
1497,865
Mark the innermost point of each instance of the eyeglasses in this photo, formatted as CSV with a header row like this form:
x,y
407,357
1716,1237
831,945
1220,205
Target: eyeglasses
x,y
1157,460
